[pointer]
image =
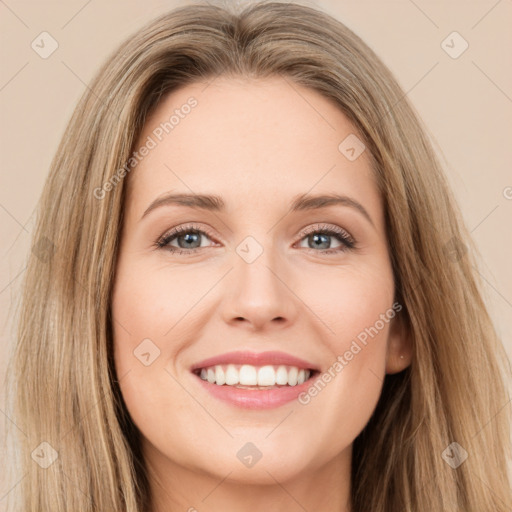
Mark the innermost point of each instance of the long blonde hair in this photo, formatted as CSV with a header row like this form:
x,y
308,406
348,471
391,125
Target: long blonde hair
x,y
64,387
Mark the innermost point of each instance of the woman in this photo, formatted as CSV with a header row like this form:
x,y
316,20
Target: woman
x,y
323,347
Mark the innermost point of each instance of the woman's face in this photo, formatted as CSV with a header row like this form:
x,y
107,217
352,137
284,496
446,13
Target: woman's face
x,y
268,280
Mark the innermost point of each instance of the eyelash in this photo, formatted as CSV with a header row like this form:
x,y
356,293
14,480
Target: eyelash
x,y
340,234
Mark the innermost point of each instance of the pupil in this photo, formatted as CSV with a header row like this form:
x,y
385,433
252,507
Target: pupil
x,y
189,238
317,237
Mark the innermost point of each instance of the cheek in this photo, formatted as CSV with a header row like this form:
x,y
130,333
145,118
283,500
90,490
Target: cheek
x,y
345,394
357,309
154,304
351,303
154,310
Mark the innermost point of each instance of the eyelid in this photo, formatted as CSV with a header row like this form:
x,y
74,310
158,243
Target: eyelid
x,y
185,228
323,227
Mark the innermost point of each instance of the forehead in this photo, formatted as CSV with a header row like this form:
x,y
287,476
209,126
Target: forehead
x,y
252,139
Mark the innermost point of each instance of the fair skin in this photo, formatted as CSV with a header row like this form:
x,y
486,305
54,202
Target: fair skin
x,y
258,144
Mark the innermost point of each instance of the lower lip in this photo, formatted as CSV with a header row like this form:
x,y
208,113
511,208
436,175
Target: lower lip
x,y
255,398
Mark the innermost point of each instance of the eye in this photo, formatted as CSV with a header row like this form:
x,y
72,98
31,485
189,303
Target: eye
x,y
188,239
319,237
183,239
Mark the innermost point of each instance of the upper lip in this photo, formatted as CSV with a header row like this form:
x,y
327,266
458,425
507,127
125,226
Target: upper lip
x,y
255,359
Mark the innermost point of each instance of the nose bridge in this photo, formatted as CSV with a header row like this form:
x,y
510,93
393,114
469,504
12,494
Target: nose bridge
x,y
259,293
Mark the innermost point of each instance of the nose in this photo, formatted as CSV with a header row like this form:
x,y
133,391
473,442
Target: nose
x,y
259,296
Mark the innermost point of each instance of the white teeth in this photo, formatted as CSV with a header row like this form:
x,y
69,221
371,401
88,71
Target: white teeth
x,y
266,376
231,375
249,375
293,373
282,376
219,375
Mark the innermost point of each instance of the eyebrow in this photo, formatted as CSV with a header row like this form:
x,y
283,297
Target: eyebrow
x,y
214,203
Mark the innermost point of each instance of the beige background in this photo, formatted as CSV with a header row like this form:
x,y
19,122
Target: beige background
x,y
466,104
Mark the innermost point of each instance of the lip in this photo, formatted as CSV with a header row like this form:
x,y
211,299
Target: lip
x,y
256,359
256,398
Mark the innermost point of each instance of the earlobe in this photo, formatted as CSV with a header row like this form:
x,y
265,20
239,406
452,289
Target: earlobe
x,y
399,350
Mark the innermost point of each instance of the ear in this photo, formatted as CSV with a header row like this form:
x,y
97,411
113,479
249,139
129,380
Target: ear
x,y
399,350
